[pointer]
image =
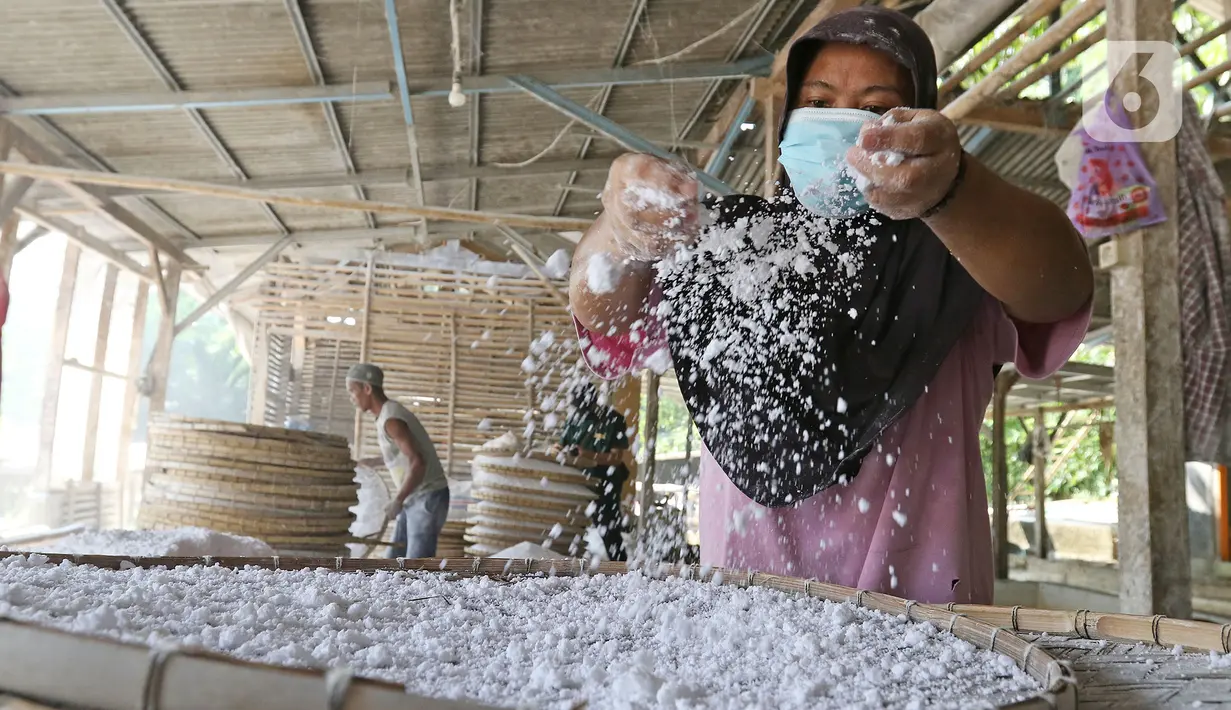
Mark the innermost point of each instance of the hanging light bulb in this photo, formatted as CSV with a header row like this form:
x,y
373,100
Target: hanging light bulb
x,y
457,99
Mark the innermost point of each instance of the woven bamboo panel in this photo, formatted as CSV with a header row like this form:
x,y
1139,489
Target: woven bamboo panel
x,y
292,489
451,344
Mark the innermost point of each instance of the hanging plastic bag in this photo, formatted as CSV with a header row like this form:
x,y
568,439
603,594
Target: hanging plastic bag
x,y
1114,191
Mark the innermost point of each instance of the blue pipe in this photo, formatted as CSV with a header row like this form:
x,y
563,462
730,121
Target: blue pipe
x,y
399,60
609,128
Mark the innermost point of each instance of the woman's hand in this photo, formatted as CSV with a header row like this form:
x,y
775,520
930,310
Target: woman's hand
x,y
650,205
909,160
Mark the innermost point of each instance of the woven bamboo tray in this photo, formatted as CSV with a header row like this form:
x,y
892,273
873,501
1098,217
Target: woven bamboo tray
x,y
559,508
38,652
176,422
516,513
36,673
292,489
575,477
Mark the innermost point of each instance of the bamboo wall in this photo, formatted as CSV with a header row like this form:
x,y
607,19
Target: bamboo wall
x,y
451,343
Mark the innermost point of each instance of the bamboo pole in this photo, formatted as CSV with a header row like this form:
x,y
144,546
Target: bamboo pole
x,y
55,360
1000,474
444,214
1190,47
963,105
159,370
1031,12
452,391
128,414
1054,63
103,330
649,438
1208,75
365,343
551,287
8,244
1040,484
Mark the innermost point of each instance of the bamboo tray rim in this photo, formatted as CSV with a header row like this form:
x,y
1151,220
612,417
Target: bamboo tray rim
x,y
967,622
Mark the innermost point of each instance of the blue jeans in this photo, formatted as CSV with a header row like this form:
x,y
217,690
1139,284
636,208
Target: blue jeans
x,y
419,525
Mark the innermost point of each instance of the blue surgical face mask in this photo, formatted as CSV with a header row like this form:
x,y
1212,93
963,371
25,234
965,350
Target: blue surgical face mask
x,y
813,153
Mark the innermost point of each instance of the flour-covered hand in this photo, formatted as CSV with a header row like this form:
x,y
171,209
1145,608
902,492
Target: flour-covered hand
x,y
651,205
908,161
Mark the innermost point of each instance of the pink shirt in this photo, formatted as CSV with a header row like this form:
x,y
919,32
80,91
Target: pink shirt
x,y
914,522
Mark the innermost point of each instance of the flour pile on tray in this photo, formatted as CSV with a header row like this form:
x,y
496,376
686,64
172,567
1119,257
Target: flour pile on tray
x,y
180,542
618,642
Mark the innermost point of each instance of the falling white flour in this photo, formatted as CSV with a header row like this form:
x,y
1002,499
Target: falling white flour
x,y
602,274
619,642
181,542
557,266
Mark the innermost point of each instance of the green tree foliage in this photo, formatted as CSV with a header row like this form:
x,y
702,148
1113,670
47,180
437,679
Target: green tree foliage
x,y
674,422
209,376
1086,473
1190,24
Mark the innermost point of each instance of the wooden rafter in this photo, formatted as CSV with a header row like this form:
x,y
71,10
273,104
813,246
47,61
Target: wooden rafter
x,y
72,178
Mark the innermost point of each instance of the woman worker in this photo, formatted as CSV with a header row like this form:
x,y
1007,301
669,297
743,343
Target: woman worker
x,y
837,345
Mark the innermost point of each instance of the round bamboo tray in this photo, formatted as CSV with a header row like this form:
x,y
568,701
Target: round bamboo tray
x,y
516,513
988,627
551,471
530,489
528,502
533,528
523,500
293,489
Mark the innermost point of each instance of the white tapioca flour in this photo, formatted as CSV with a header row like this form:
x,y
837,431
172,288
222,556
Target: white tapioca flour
x,y
619,642
181,542
602,274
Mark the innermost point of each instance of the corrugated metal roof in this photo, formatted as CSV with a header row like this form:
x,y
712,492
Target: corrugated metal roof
x,y
50,47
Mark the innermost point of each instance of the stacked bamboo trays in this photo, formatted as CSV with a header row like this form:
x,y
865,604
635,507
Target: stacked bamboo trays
x,y
525,500
37,652
292,489
452,542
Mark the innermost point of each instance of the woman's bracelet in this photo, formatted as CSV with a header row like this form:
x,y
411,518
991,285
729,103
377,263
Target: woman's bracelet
x,y
957,182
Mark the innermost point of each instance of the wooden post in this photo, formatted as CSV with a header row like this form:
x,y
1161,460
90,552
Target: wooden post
x,y
55,361
128,416
365,344
1039,449
160,360
1155,571
452,391
1000,474
90,445
259,381
8,245
649,390
1224,514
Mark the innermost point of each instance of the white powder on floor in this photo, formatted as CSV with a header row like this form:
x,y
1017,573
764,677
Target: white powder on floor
x,y
180,542
619,642
602,274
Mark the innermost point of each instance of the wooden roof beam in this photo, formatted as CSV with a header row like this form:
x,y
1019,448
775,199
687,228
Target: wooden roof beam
x,y
73,179
97,200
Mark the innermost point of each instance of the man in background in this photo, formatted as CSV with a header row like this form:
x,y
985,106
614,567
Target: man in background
x,y
421,503
598,432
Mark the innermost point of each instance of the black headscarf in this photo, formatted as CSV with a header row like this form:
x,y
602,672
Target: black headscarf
x,y
798,340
